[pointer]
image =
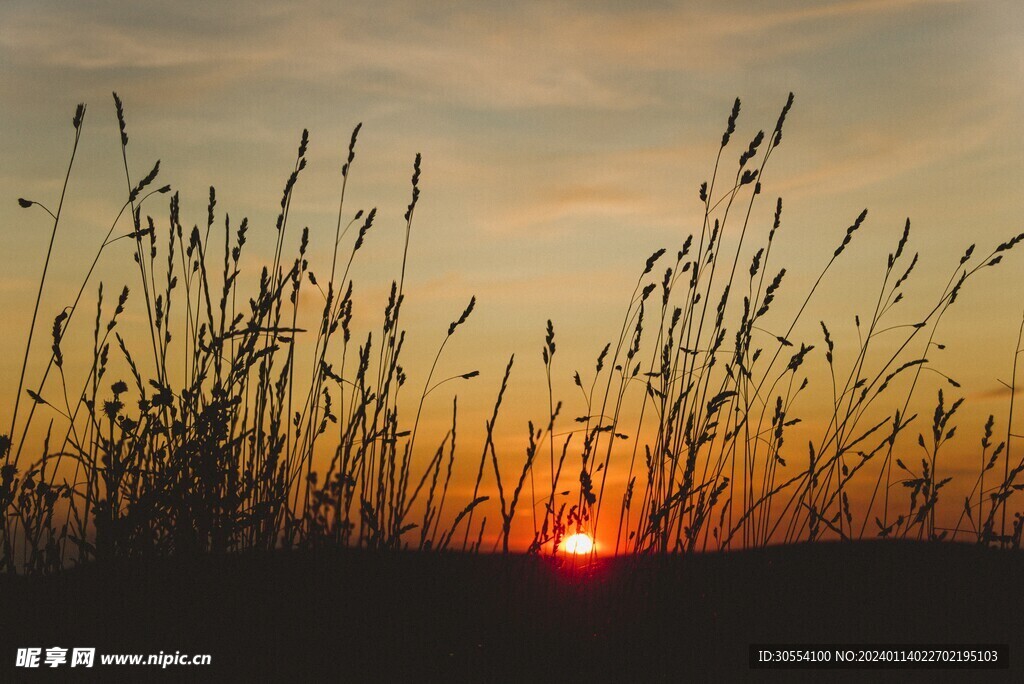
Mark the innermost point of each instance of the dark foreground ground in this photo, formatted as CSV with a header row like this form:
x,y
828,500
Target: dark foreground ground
x,y
405,617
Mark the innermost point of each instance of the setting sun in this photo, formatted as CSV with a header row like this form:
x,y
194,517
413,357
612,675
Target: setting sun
x,y
578,544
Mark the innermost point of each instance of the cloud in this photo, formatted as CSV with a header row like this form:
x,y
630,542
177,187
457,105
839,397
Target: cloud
x,y
997,392
565,205
525,55
866,156
77,39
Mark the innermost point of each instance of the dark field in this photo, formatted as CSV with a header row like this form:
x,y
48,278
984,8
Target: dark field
x,y
359,616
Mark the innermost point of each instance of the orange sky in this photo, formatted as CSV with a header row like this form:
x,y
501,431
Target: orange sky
x,y
562,144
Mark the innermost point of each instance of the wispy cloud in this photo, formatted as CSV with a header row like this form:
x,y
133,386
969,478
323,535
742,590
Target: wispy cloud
x,y
522,55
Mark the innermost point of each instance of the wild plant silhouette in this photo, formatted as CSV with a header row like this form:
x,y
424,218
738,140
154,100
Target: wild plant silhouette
x,y
206,444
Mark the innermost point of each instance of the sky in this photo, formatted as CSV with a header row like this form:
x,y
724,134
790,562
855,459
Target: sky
x,y
562,144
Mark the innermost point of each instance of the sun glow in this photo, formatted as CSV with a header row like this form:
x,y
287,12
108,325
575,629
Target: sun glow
x,y
578,544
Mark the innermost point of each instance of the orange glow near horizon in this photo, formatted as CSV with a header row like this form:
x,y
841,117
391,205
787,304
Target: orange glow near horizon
x,y
578,544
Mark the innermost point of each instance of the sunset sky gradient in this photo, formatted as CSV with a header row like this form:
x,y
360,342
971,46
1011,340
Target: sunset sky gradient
x,y
562,144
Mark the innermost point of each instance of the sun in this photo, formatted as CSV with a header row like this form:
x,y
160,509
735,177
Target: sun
x,y
579,544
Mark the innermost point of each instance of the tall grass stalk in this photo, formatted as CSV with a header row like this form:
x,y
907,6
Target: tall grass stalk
x,y
214,440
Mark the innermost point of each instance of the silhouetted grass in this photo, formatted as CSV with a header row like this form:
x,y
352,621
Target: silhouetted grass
x,y
209,442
